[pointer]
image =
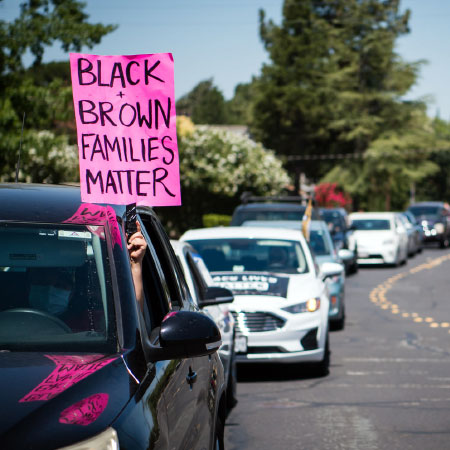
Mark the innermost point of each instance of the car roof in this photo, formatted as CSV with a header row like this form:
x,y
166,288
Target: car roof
x,y
41,202
272,206
429,203
372,215
242,232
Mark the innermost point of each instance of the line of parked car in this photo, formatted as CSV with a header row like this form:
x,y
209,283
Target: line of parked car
x,y
83,364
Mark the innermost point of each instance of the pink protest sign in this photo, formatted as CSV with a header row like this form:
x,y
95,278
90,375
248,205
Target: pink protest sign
x,y
85,411
91,215
69,370
126,127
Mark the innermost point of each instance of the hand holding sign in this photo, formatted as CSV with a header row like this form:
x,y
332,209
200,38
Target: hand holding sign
x,y
126,126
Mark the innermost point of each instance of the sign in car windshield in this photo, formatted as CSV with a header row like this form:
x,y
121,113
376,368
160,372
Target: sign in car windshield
x,y
252,283
126,127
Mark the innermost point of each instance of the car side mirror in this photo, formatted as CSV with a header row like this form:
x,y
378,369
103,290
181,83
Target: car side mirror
x,y
329,269
345,254
183,334
215,295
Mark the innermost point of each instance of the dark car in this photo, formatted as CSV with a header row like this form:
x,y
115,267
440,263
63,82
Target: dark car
x,y
269,208
81,364
341,233
434,217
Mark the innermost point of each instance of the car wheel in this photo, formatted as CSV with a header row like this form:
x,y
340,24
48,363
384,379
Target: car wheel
x,y
231,387
322,368
444,243
340,323
219,443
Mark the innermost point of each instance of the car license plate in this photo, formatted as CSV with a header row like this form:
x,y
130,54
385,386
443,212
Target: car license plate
x,y
240,344
363,255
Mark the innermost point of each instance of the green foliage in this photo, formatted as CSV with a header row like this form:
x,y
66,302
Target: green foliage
x,y
43,91
216,167
334,84
205,104
216,220
393,163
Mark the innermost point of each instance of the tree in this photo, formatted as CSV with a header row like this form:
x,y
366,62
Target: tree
x,y
41,92
382,178
334,84
216,167
205,104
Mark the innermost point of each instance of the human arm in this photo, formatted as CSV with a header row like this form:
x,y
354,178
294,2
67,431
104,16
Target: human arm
x,y
136,249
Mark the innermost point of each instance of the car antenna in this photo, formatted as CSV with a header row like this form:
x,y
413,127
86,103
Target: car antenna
x,y
20,149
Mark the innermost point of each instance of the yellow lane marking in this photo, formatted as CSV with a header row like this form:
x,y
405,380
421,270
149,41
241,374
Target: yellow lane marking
x,y
378,294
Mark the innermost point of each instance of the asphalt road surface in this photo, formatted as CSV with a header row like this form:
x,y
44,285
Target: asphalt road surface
x,y
389,380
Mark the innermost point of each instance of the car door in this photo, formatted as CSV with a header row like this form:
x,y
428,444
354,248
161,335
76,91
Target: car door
x,y
186,382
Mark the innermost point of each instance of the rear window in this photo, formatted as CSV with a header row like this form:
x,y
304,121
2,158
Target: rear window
x,y
243,216
252,255
425,211
371,224
56,291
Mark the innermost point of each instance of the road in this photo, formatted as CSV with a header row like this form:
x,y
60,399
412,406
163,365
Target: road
x,y
389,381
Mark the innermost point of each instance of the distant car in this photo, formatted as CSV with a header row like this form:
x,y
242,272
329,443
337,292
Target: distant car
x,y
324,251
415,234
281,300
341,233
82,364
435,220
381,237
205,295
270,208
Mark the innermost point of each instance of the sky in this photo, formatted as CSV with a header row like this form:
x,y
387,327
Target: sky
x,y
219,39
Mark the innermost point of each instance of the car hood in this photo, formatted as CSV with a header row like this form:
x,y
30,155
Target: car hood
x,y
52,400
267,287
372,237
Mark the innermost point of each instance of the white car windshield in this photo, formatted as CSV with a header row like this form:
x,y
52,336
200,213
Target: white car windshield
x,y
252,255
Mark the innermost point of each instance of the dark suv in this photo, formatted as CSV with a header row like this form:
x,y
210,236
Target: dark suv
x,y
269,208
435,220
81,364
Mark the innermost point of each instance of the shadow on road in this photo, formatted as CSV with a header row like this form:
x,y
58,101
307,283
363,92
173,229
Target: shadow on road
x,y
258,372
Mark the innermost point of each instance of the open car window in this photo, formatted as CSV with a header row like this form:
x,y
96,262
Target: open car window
x,y
56,292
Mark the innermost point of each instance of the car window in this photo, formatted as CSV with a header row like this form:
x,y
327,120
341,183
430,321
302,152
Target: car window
x,y
425,211
244,216
371,224
319,243
258,255
173,274
56,287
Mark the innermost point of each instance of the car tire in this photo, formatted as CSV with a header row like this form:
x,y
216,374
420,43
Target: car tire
x,y
339,324
322,368
444,243
231,395
219,434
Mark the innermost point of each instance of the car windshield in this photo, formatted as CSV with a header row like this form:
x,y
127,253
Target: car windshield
x,y
55,288
319,242
244,216
333,218
371,224
425,211
252,255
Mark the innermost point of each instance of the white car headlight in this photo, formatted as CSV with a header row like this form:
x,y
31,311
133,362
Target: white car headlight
x,y
107,440
439,227
311,305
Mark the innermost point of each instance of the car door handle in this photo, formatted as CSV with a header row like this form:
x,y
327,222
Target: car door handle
x,y
191,377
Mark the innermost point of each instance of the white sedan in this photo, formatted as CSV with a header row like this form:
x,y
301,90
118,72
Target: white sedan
x,y
215,302
381,237
281,301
